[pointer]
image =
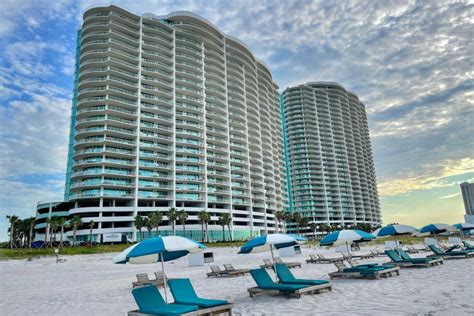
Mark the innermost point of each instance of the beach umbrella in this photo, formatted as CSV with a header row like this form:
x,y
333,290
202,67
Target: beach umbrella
x,y
346,236
436,229
464,226
394,230
159,249
270,242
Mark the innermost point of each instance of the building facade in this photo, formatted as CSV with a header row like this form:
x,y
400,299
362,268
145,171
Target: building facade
x,y
467,191
169,112
329,166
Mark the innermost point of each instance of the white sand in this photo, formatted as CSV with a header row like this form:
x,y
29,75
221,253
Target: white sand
x,y
92,285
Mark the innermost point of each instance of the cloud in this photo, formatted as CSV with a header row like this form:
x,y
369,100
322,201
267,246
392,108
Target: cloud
x,y
34,133
16,16
400,216
449,196
20,198
429,177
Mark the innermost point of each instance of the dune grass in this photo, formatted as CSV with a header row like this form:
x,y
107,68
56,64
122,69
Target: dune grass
x,y
23,253
405,240
6,254
80,250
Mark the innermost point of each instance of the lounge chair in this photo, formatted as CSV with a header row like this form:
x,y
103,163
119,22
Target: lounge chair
x,y
355,265
360,256
286,277
376,252
406,256
184,294
150,301
230,268
312,259
407,262
265,285
414,250
322,259
288,264
142,280
216,271
268,264
467,245
372,271
451,254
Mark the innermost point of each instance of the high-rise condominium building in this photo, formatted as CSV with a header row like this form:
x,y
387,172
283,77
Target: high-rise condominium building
x,y
169,112
467,191
330,170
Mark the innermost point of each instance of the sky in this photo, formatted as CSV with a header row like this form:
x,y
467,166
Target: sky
x,y
410,62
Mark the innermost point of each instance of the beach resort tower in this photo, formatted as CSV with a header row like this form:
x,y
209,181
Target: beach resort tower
x,y
170,112
467,191
329,165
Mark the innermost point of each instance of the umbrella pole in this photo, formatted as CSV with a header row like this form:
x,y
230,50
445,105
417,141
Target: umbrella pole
x,y
274,264
348,249
395,239
164,277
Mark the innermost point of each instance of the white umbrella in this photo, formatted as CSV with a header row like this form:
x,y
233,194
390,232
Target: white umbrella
x,y
270,242
159,249
346,237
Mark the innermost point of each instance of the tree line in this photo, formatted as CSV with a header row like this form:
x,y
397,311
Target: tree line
x,y
283,217
21,231
153,220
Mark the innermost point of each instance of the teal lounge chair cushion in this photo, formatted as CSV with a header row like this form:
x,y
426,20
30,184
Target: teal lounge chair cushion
x,y
453,249
439,252
400,256
375,265
369,270
407,257
367,265
183,293
264,281
286,277
150,301
393,255
468,245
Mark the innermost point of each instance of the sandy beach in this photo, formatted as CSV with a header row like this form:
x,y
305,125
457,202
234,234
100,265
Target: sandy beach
x,y
92,285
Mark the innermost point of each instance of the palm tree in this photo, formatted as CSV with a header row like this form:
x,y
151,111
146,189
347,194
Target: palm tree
x,y
221,222
304,221
75,222
228,221
172,216
313,227
46,230
13,219
225,220
53,225
204,217
155,219
21,232
31,232
280,217
182,217
139,224
91,227
49,230
297,219
288,217
61,223
149,224
327,228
